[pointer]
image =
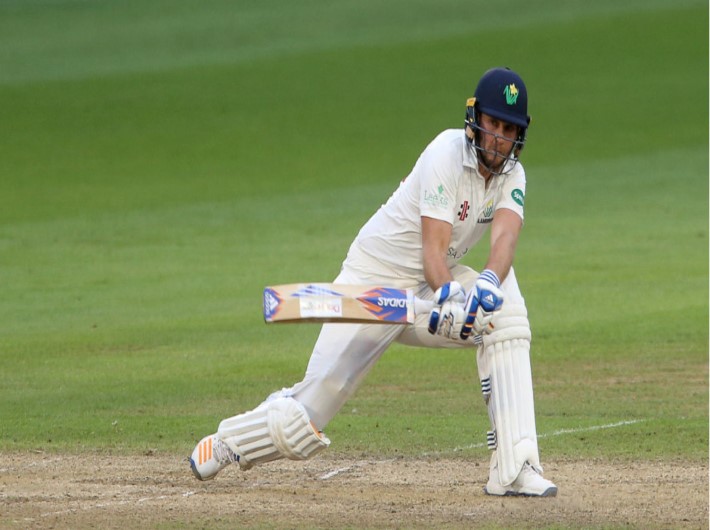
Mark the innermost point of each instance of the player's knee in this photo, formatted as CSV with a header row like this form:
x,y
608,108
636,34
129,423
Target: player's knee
x,y
510,322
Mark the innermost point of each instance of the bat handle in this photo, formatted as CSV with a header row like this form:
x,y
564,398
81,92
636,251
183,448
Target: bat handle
x,y
422,306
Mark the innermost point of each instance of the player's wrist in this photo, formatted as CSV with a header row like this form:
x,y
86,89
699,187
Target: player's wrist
x,y
490,276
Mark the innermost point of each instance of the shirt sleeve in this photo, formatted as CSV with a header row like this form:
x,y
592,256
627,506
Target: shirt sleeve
x,y
512,193
438,173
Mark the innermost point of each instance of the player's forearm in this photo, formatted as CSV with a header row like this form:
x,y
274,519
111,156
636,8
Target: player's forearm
x,y
436,271
504,238
436,235
500,259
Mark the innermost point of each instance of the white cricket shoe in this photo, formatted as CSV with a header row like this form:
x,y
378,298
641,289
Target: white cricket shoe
x,y
529,483
210,456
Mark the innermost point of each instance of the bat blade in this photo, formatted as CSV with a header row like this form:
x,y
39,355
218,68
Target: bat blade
x,y
344,303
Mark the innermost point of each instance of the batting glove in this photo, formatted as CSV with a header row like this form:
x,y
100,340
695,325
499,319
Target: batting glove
x,y
483,301
449,311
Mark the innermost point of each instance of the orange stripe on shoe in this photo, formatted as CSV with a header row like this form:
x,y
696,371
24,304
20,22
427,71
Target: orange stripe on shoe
x,y
319,434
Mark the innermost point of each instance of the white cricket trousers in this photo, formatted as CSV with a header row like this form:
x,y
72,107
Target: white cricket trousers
x,y
345,353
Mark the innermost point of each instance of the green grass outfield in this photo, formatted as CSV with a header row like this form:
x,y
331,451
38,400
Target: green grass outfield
x,y
162,161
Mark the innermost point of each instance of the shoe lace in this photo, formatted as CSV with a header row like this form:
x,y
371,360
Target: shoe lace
x,y
223,454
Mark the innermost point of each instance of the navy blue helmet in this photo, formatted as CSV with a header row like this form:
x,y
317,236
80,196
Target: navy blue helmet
x,y
501,93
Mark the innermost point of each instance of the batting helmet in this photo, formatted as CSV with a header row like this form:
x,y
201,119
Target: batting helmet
x,y
500,93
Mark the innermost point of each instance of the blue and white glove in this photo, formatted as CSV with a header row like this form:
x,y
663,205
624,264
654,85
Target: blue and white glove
x,y
483,301
449,311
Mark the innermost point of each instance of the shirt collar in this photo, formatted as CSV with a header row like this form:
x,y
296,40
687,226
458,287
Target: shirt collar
x,y
469,154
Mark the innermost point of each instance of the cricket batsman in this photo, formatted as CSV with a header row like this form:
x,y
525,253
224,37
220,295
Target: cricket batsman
x,y
465,183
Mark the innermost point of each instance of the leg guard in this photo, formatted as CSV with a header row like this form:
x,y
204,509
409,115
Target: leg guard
x,y
506,383
278,428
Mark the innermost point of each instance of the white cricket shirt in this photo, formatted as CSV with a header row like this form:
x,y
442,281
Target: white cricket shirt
x,y
444,184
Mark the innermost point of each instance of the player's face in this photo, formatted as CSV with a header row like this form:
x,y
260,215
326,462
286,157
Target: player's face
x,y
497,140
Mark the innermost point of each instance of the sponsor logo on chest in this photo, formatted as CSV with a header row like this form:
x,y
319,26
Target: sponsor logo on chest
x,y
463,211
486,215
436,198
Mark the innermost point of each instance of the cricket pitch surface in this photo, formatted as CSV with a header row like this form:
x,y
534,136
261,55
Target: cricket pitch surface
x,y
44,490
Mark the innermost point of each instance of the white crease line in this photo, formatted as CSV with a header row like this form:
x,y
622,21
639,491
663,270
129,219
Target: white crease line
x,y
335,472
592,428
110,504
159,497
331,474
558,432
60,512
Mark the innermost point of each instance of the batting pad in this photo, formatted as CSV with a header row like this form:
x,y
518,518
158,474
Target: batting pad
x,y
278,428
506,375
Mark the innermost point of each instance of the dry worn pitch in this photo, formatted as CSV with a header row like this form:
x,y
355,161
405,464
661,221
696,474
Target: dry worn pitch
x,y
40,490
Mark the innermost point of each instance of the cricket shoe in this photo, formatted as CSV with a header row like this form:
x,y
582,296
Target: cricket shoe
x,y
529,483
210,456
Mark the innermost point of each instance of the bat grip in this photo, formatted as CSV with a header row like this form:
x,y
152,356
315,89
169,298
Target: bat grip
x,y
422,306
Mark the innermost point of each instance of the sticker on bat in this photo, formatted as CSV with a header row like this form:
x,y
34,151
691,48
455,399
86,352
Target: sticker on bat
x,y
386,303
272,302
322,307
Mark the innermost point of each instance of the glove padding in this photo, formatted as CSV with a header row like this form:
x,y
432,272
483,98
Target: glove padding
x,y
449,311
483,301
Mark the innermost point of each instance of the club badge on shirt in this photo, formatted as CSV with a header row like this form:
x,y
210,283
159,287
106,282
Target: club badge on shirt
x,y
487,214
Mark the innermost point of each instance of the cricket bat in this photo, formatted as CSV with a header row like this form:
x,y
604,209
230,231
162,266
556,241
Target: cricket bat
x,y
331,302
